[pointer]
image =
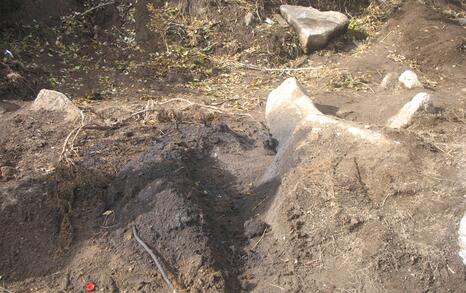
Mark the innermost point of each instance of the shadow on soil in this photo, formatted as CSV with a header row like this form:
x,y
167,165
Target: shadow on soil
x,y
189,196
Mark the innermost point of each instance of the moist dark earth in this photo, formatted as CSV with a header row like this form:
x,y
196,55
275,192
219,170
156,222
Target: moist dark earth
x,y
176,146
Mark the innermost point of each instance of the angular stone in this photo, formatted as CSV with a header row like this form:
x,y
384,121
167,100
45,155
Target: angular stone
x,y
420,102
314,28
286,107
49,100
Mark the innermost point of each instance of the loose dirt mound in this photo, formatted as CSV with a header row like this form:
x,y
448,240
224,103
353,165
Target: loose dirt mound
x,y
189,195
362,216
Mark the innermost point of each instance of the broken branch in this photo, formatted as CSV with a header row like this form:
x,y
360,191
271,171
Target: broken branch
x,y
154,258
95,7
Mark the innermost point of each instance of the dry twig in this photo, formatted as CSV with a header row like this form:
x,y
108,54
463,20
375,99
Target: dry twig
x,y
261,202
95,7
5,290
255,67
75,131
262,237
276,286
190,104
154,258
69,142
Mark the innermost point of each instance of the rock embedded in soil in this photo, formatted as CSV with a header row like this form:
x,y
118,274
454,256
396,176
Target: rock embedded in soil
x,y
54,101
254,227
314,28
461,21
420,102
409,80
389,81
185,217
289,108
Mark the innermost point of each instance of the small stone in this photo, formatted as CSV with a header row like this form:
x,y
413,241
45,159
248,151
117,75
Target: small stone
x,y
461,21
343,113
420,102
354,224
49,100
409,80
389,81
314,28
185,218
269,21
254,227
7,172
13,77
249,19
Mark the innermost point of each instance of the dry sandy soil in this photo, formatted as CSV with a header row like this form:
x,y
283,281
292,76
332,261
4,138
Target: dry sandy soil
x,y
187,171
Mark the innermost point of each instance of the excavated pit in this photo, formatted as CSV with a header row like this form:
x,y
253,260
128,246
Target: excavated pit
x,y
190,195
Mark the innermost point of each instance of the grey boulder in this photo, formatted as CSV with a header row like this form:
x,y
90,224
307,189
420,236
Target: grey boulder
x,y
48,100
314,28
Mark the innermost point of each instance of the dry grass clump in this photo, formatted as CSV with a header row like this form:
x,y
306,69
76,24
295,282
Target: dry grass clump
x,y
343,79
187,42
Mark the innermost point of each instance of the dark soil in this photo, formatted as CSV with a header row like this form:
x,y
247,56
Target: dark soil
x,y
188,194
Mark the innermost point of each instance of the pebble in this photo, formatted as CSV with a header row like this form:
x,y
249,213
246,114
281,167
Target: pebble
x,y
409,80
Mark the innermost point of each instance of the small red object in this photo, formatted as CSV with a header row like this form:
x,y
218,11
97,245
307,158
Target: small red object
x,y
90,287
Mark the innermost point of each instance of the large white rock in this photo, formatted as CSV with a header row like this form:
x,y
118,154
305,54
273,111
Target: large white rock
x,y
293,119
314,28
409,80
49,100
289,107
286,107
420,102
